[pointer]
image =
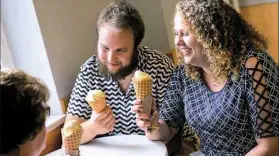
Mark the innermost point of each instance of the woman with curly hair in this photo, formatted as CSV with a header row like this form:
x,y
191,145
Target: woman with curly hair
x,y
23,113
227,87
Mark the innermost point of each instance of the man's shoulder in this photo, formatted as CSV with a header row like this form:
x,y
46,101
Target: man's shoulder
x,y
90,64
151,56
144,50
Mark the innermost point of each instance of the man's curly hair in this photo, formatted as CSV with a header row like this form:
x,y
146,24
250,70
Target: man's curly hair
x,y
226,37
23,108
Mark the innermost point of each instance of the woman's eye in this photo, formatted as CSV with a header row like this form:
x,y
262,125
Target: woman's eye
x,y
186,33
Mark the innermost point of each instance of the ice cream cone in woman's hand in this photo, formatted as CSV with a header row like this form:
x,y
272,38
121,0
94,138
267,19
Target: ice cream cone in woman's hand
x,y
143,87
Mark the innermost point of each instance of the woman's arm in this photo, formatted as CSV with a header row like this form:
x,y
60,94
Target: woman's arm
x,y
164,133
262,105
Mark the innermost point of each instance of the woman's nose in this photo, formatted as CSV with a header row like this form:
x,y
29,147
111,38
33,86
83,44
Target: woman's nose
x,y
178,40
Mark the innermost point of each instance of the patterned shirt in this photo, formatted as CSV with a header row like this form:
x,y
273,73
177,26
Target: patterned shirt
x,y
153,62
229,121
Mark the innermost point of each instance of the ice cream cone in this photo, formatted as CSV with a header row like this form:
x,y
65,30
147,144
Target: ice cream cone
x,y
143,88
72,142
97,100
71,137
142,84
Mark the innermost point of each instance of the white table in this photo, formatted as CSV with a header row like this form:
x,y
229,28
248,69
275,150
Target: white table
x,y
121,145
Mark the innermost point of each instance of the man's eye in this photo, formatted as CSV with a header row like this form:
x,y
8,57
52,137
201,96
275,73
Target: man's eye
x,y
175,33
120,51
106,48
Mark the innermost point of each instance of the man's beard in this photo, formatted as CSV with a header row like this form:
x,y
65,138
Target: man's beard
x,y
122,72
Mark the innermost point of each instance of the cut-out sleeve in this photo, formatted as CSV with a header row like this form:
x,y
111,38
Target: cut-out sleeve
x,y
263,96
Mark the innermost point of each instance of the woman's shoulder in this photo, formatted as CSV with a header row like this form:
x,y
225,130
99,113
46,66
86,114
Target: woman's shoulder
x,y
179,75
260,59
263,57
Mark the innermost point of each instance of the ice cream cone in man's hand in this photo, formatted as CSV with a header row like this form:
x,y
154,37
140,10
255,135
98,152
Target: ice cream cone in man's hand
x,y
102,119
143,87
97,100
71,137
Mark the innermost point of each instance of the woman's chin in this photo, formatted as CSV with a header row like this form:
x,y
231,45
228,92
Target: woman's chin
x,y
187,60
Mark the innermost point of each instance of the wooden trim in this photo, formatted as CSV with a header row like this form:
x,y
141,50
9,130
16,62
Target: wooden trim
x,y
173,57
53,141
64,104
54,137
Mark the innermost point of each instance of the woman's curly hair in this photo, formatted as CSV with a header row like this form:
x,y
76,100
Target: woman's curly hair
x,y
23,108
226,37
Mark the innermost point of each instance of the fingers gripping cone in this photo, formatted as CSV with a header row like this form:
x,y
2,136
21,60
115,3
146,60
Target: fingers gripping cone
x,y
154,123
97,100
71,137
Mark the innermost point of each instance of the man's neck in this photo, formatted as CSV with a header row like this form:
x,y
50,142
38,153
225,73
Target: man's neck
x,y
124,83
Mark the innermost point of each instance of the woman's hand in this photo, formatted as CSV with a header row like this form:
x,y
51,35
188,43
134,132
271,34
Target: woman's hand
x,y
266,146
143,120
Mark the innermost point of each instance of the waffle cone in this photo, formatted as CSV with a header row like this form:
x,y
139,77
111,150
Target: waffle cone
x,y
98,105
143,87
72,142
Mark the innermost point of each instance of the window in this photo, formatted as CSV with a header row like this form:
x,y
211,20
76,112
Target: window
x,y
6,55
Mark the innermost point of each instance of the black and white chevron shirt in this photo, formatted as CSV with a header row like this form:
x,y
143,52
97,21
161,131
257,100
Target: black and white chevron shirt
x,y
153,62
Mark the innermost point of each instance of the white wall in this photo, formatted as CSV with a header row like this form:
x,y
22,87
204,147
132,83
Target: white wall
x,y
25,41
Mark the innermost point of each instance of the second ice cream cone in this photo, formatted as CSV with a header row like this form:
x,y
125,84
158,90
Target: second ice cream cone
x,y
97,100
71,136
72,142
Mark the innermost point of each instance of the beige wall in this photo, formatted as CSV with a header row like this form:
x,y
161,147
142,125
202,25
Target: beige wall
x,y
68,30
168,7
265,18
155,29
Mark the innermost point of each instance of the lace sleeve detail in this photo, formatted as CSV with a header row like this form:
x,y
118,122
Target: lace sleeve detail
x,y
261,105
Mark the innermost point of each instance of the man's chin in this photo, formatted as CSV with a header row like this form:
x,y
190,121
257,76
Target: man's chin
x,y
112,72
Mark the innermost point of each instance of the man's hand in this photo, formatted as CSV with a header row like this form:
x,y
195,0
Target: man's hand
x,y
102,122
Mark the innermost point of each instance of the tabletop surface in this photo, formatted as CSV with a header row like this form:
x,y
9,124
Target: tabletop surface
x,y
121,145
